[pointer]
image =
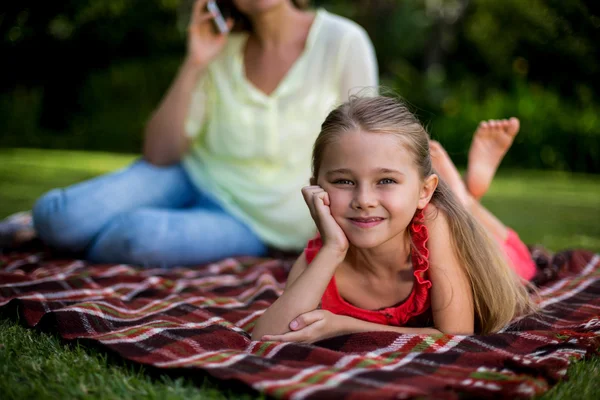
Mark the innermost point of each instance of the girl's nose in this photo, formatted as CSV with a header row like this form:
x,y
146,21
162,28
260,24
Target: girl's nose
x,y
364,198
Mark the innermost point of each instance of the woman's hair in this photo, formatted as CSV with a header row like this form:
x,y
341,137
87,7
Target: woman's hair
x,y
498,293
241,22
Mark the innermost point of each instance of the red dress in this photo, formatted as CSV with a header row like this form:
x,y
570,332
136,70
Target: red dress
x,y
415,309
412,310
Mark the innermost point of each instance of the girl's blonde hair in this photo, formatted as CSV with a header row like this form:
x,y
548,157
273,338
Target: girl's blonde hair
x,y
498,293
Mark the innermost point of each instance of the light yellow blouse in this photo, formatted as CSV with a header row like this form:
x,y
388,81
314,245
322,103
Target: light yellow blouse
x,y
252,151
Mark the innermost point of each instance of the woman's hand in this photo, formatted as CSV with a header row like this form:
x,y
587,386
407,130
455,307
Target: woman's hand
x,y
311,327
203,43
332,235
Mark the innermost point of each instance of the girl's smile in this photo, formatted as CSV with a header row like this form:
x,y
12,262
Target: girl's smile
x,y
366,222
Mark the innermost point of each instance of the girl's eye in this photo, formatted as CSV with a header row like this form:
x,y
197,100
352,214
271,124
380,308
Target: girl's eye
x,y
387,181
342,182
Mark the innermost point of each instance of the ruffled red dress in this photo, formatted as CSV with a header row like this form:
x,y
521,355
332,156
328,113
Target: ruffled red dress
x,y
414,310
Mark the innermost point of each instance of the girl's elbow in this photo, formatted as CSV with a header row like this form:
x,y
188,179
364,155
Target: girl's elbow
x,y
257,333
259,330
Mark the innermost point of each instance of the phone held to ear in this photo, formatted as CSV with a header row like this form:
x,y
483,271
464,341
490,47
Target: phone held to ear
x,y
219,20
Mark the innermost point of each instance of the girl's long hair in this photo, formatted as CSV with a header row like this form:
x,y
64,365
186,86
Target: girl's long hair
x,y
499,295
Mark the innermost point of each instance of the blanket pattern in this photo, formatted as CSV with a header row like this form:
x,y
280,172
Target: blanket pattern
x,y
201,318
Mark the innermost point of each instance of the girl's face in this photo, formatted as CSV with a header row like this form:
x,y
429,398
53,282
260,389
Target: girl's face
x,y
374,186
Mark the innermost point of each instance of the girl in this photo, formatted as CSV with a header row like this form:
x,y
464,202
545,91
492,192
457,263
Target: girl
x,y
397,250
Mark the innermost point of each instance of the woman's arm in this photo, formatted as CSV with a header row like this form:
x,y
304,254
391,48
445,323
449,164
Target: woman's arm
x,y
165,141
451,292
302,294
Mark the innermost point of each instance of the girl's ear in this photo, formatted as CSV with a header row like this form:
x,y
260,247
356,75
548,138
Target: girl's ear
x,y
429,186
313,181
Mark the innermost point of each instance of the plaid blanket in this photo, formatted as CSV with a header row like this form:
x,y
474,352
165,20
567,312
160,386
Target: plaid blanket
x,y
200,318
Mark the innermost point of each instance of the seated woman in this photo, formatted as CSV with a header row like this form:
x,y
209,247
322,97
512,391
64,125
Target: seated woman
x,y
403,245
228,147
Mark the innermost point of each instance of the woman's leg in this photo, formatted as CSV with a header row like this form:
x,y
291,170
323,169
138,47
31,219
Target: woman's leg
x,y
71,218
164,238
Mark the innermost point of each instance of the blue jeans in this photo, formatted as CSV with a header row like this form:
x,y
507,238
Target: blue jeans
x,y
144,214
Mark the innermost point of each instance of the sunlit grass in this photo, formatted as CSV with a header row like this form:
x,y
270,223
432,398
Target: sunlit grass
x,y
556,209
36,365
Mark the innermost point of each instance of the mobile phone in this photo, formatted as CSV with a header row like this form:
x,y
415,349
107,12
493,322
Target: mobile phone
x,y
219,21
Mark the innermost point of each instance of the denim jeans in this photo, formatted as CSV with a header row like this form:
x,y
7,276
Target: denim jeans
x,y
144,214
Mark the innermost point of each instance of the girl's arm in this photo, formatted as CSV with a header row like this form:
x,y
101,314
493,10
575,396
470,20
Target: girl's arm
x,y
353,325
451,292
451,297
302,294
306,285
321,324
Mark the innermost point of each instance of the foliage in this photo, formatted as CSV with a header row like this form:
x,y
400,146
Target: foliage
x,y
554,134
87,74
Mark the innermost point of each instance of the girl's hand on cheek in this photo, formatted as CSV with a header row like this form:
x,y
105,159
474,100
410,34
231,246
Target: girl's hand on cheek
x,y
318,203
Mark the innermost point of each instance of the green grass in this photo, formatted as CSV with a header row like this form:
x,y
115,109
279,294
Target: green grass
x,y
38,365
557,210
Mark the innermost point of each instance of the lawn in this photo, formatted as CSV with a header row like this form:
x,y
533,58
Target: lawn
x,y
557,210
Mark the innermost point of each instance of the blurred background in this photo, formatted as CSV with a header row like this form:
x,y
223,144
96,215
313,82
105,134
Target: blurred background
x,y
86,74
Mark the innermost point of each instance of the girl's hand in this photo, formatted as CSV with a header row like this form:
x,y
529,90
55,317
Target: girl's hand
x,y
203,43
311,327
318,203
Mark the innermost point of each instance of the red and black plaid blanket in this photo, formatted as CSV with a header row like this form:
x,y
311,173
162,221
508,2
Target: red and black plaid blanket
x,y
200,318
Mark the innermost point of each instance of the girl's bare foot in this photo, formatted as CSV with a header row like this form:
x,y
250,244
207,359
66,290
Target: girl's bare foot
x,y
491,141
446,170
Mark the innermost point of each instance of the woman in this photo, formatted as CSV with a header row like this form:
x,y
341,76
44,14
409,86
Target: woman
x,y
227,149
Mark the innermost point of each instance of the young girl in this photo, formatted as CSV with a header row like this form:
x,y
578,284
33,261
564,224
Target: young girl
x,y
397,251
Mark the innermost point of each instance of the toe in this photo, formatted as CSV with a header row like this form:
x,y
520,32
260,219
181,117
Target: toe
x,y
512,127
